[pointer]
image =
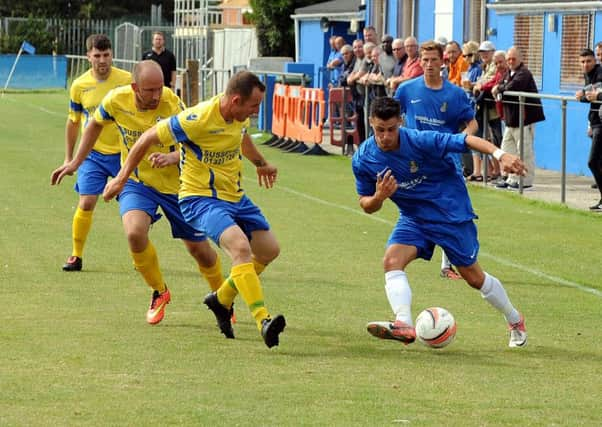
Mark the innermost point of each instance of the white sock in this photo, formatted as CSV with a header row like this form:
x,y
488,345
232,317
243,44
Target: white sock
x,y
444,261
399,295
493,291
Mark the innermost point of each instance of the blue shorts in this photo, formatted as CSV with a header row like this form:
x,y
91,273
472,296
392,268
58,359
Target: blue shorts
x,y
213,216
93,173
140,197
459,241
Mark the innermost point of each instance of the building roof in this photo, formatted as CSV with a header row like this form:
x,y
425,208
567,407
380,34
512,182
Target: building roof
x,y
328,7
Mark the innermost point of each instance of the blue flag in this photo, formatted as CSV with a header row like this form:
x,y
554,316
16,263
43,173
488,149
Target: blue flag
x,y
28,48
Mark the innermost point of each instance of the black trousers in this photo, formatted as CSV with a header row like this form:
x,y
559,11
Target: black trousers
x,y
595,157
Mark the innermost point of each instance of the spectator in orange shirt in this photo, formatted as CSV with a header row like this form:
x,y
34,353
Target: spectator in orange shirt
x,y
457,64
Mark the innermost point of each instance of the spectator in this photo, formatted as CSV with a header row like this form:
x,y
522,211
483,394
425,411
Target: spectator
x,y
412,67
486,50
472,161
493,107
519,78
445,67
469,53
335,64
599,52
432,103
348,64
457,64
442,41
164,57
370,35
375,79
358,89
387,60
592,93
399,52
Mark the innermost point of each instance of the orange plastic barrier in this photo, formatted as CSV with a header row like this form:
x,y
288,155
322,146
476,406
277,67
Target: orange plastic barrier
x,y
298,113
279,110
294,123
313,106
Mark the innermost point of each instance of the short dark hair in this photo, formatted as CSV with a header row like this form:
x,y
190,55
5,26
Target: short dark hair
x,y
384,108
243,83
587,52
431,45
98,41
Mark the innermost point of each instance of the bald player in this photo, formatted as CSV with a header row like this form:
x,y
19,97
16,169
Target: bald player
x,y
153,184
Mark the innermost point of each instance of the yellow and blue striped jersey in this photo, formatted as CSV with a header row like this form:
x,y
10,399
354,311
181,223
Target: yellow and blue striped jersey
x,y
119,107
86,93
210,157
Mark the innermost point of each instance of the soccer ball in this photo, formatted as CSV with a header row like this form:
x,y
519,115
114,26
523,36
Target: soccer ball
x,y
435,327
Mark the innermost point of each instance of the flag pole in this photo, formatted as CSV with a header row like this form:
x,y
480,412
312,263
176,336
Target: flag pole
x,y
12,70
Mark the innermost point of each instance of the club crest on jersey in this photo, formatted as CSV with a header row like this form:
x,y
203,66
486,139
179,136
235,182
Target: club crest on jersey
x,y
443,108
192,116
413,166
159,118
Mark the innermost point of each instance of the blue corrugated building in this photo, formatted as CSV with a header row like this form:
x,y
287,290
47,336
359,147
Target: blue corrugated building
x,y
550,34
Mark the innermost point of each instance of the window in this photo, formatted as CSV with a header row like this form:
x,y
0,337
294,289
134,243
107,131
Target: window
x,y
528,37
577,33
444,19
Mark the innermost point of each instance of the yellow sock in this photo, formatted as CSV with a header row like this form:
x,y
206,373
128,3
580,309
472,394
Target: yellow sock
x,y
147,263
213,274
247,282
259,267
227,292
82,222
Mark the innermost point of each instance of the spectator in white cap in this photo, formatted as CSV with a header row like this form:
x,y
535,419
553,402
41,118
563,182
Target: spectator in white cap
x,y
486,50
442,41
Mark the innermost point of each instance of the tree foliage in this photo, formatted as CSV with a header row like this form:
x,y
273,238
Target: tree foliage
x,y
32,30
275,27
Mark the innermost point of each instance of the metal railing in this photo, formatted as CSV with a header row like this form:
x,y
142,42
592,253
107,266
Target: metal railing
x,y
563,106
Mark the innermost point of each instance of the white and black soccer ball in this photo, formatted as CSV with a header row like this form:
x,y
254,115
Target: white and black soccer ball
x,y
435,327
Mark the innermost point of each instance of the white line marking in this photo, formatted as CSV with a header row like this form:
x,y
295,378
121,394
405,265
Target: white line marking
x,y
37,107
557,280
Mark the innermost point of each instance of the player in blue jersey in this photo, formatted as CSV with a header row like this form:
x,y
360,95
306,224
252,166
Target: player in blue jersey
x,y
413,169
433,103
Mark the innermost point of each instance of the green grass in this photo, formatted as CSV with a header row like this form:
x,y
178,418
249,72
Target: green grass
x,y
76,350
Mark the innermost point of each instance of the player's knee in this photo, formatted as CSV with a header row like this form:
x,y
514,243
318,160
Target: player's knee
x,y
137,239
392,262
268,253
203,253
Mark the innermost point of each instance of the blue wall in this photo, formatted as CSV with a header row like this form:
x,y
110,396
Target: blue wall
x,y
34,71
458,21
425,20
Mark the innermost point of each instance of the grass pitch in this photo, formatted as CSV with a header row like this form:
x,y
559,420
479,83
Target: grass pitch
x,y
76,350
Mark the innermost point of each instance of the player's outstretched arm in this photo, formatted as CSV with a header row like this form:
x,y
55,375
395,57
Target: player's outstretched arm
x,y
509,162
135,156
86,144
266,173
386,186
